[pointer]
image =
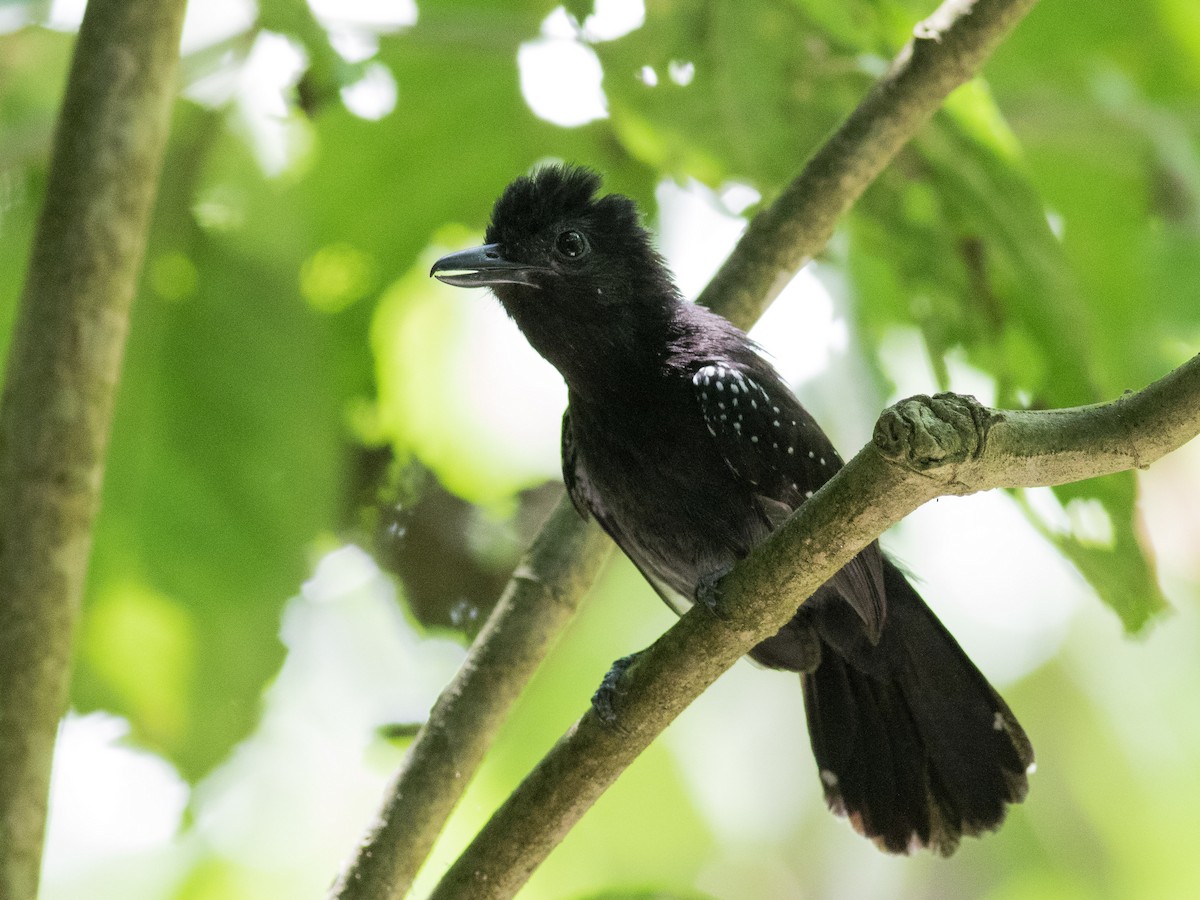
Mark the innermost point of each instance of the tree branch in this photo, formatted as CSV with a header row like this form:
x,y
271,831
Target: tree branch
x,y
946,51
62,372
922,448
541,598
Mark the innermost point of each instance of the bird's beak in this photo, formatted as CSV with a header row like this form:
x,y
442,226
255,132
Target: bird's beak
x,y
482,267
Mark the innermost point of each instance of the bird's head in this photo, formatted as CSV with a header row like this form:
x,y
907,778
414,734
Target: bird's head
x,y
578,273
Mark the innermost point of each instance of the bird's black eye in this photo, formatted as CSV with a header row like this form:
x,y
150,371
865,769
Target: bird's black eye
x,y
571,244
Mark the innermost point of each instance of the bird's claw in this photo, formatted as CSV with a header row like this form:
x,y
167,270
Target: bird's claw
x,y
607,698
708,593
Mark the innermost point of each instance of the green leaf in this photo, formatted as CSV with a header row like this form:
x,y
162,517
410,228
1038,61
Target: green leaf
x,y
1113,561
222,475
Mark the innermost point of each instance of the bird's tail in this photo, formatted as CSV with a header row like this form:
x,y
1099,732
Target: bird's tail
x,y
912,743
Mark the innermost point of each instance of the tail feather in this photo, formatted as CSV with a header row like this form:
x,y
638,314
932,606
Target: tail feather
x,y
913,745
862,747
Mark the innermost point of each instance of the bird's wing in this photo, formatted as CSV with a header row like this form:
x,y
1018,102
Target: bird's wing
x,y
589,505
574,478
771,442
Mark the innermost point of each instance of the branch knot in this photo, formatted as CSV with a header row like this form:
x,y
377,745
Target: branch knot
x,y
923,432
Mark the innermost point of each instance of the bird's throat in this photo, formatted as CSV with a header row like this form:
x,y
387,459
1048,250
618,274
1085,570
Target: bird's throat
x,y
603,353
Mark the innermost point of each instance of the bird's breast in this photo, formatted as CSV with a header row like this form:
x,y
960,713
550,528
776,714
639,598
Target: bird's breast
x,y
669,498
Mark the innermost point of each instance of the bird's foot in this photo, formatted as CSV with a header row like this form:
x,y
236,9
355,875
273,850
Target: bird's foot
x,y
708,593
607,699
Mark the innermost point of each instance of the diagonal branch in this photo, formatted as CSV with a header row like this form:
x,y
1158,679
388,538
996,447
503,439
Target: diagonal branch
x,y
62,374
923,448
541,598
947,50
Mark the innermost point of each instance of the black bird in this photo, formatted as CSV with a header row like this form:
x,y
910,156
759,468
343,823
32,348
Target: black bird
x,y
688,449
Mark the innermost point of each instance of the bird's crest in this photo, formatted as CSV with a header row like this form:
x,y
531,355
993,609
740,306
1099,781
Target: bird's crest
x,y
549,194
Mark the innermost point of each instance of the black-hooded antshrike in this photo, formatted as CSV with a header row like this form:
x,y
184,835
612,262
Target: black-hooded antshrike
x,y
688,449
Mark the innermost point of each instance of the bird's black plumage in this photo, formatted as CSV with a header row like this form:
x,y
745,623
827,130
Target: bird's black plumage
x,y
688,449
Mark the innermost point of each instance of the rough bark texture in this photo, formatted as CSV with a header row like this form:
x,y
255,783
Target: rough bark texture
x,y
62,372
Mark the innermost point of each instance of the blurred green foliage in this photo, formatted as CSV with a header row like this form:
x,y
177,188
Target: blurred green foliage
x,y
1046,226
